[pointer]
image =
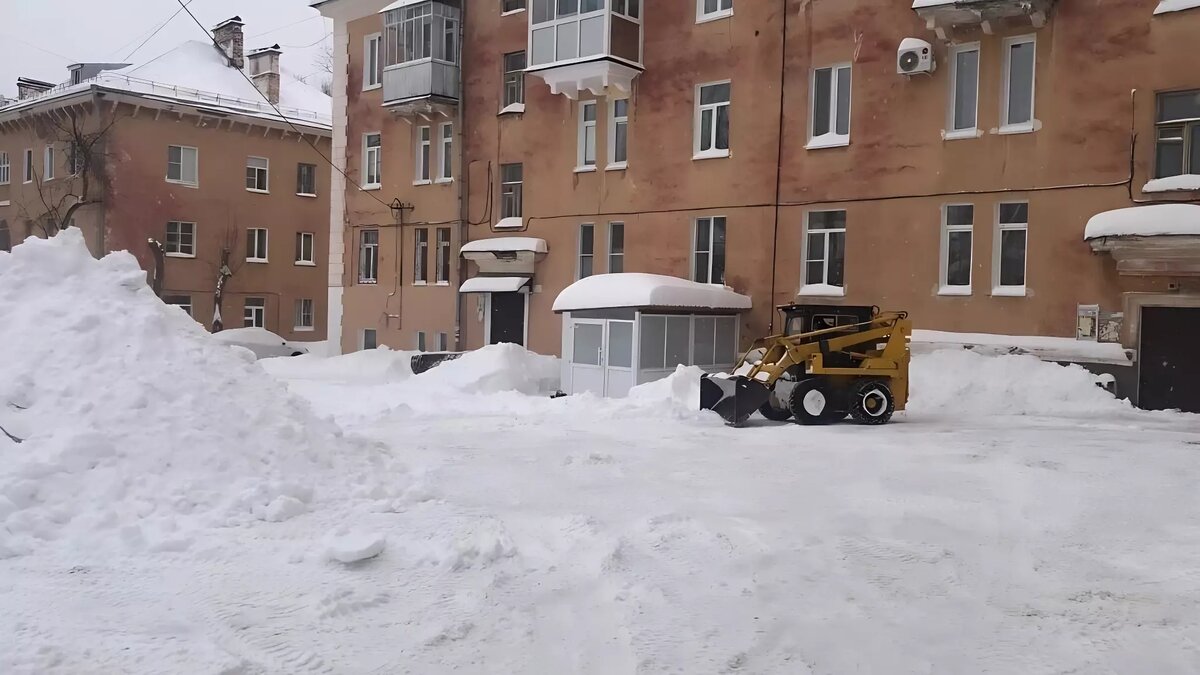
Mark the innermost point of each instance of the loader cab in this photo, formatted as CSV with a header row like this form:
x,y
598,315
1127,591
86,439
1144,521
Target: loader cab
x,y
799,319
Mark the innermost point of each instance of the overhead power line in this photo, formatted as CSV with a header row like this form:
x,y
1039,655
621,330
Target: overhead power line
x,y
157,30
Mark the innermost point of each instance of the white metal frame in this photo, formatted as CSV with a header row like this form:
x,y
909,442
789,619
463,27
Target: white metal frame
x,y
372,79
1007,126
579,254
613,122
825,232
266,174
697,126
420,257
251,235
181,223
997,253
951,130
446,152
443,245
944,287
5,169
720,13
423,171
711,247
27,172
258,312
611,254
298,319
586,128
830,139
312,249
372,159
578,18
182,163
362,248
48,164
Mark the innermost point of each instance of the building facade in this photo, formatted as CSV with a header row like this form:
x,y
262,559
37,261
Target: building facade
x,y
217,193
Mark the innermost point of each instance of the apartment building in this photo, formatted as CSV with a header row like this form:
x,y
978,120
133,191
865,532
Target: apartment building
x,y
939,156
206,163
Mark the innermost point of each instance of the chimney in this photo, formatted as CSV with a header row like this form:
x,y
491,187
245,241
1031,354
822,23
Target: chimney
x,y
264,70
228,34
27,88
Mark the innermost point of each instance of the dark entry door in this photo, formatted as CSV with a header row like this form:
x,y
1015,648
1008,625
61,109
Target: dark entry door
x,y
1169,370
508,318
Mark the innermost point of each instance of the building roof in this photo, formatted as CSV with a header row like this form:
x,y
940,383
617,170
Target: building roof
x,y
198,73
1145,221
631,289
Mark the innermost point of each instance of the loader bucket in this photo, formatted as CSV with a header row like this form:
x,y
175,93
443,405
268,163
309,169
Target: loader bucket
x,y
735,398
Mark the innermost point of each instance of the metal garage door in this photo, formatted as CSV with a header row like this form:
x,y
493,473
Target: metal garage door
x,y
1169,372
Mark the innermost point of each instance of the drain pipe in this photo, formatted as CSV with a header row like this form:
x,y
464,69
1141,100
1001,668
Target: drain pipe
x,y
463,178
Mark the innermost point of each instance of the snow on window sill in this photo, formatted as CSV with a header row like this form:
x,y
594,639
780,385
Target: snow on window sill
x,y
302,329
1168,6
513,11
954,290
711,154
422,182
420,283
1023,128
442,283
371,187
1184,182
172,182
510,223
822,290
368,282
1009,292
512,108
257,191
714,16
305,263
310,195
443,181
260,261
373,87
585,169
828,141
959,134
180,255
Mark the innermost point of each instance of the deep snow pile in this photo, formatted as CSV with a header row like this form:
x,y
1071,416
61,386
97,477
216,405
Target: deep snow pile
x,y
493,369
367,366
138,427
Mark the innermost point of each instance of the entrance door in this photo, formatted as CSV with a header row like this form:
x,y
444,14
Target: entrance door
x,y
587,357
618,361
506,315
1169,362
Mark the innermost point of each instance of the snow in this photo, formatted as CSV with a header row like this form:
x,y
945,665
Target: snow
x,y
1165,6
1184,182
257,336
821,290
400,3
505,245
356,546
493,284
1046,348
917,4
510,223
515,108
632,289
1144,221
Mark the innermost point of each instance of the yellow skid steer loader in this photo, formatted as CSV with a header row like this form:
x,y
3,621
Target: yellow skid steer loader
x,y
830,362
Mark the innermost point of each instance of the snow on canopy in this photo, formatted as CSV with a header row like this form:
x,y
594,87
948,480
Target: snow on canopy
x,y
1165,6
1144,221
917,4
631,289
505,245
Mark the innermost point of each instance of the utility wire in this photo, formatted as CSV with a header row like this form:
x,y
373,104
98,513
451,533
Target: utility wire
x,y
318,41
294,23
156,31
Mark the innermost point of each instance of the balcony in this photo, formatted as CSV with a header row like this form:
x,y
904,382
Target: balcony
x,y
421,55
593,45
947,16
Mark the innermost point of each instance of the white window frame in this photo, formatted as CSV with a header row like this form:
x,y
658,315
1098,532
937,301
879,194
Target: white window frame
x,y
944,287
5,169
618,254
720,13
446,152
442,276
1007,127
363,248
997,253
711,250
254,316
831,139
372,158
48,164
586,130
423,172
613,122
183,163
518,80
252,235
443,342
697,126
821,287
372,78
265,174
421,342
314,177
507,12
300,315
27,168
421,256
362,338
179,237
580,256
966,132
517,193
311,238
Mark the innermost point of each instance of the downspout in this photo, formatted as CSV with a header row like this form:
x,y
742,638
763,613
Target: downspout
x,y
464,179
778,169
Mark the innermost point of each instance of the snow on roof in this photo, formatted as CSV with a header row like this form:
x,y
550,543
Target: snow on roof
x,y
401,3
604,291
505,245
1046,348
917,4
493,284
1165,6
1184,182
196,72
1144,221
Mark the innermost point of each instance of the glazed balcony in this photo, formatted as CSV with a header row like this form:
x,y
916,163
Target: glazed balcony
x,y
421,54
593,45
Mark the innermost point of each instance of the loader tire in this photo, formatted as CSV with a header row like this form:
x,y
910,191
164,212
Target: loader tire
x,y
871,402
769,411
815,401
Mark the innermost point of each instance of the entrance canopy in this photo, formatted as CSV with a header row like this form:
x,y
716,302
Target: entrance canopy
x,y
493,284
644,291
505,256
1145,221
1157,240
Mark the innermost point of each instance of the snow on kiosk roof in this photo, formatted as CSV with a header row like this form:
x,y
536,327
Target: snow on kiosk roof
x,y
1145,221
630,289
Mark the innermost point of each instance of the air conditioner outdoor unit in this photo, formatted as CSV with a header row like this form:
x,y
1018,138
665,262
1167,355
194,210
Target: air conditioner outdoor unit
x,y
915,56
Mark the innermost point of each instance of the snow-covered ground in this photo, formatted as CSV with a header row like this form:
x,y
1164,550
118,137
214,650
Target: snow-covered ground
x,y
173,508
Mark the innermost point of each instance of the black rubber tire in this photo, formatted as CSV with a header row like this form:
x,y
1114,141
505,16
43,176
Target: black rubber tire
x,y
774,414
833,411
871,402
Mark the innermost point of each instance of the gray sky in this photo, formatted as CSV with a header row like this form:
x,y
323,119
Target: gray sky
x,y
39,38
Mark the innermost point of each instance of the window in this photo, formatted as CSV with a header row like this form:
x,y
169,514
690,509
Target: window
x,y
5,236
1012,234
4,168
304,315
181,240
48,164
618,133
510,190
712,120
372,160
183,302
1019,60
507,6
443,255
254,313
707,10
631,9
256,174
369,338
957,221
372,62
616,248
28,168
586,155
421,256
443,342
420,340
424,149
514,79
708,255
667,341
368,257
181,165
830,113
75,159
587,251
256,244
305,253
1178,129
306,180
714,340
964,91
825,250
446,173
419,32
562,30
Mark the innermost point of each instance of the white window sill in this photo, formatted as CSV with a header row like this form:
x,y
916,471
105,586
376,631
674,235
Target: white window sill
x,y
420,283
960,134
715,16
368,282
177,182
822,291
617,166
371,187
306,194
257,191
512,108
1010,129
1009,292
585,169
305,263
422,182
28,182
373,87
954,290
512,11
258,261
828,141
710,154
443,181
48,180
302,329
443,283
180,255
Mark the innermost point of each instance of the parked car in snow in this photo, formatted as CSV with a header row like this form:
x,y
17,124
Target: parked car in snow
x,y
261,341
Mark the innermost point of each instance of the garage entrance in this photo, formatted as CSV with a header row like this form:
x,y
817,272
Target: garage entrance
x,y
1169,370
